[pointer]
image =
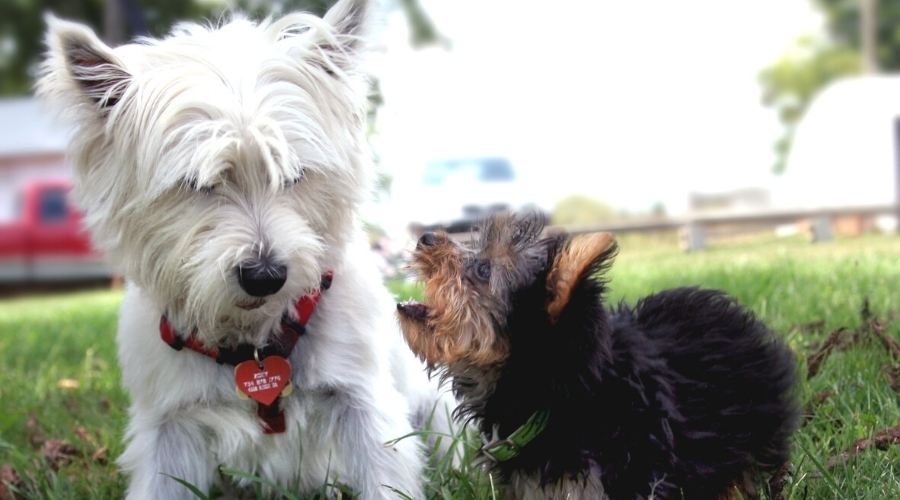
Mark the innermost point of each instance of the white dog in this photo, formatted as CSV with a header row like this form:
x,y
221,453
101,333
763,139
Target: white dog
x,y
222,171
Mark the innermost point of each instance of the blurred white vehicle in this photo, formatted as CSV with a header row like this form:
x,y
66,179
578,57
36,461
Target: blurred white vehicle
x,y
457,192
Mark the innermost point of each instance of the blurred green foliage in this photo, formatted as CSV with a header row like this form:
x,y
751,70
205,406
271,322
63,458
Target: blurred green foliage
x,y
22,25
580,209
22,29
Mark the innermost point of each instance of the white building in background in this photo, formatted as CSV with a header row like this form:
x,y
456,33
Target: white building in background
x,y
845,150
32,146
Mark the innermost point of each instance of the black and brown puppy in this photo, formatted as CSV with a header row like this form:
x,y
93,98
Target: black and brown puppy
x,y
686,395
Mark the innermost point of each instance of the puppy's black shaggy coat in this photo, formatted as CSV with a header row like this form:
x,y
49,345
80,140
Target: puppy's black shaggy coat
x,y
685,395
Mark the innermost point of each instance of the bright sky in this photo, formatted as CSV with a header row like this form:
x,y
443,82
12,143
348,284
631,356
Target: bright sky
x,y
630,101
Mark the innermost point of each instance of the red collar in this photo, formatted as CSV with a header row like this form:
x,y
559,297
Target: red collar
x,y
282,346
291,331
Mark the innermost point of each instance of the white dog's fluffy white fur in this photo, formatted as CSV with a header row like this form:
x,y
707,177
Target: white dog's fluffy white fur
x,y
238,146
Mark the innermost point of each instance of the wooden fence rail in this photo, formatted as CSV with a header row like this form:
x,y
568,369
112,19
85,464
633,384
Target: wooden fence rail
x,y
694,228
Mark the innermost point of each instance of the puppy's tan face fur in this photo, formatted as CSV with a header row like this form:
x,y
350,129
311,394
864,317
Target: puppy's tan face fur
x,y
463,310
469,289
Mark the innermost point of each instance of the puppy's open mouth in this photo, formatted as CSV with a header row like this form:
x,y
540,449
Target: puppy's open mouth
x,y
414,310
253,304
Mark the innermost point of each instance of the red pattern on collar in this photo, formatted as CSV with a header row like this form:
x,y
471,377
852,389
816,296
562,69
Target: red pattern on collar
x,y
291,330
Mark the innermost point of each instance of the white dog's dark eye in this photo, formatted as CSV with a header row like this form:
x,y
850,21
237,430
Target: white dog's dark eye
x,y
483,270
193,185
293,181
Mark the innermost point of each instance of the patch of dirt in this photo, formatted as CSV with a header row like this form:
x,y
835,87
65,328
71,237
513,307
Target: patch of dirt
x,y
814,362
782,477
812,326
889,342
882,440
817,399
10,480
33,428
892,372
54,453
871,329
58,453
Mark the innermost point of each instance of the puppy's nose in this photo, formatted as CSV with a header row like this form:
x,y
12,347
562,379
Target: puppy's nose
x,y
427,240
261,278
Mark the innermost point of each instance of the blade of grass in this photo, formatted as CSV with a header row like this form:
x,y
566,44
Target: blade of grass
x,y
826,474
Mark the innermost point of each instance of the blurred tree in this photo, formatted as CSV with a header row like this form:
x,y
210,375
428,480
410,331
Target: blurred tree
x,y
21,30
422,31
790,83
844,21
580,209
22,25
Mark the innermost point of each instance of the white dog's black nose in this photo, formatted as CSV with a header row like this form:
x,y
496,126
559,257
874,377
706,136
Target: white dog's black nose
x,y
261,278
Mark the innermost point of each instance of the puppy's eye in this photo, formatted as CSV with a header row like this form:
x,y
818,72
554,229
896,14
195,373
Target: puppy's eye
x,y
289,183
483,270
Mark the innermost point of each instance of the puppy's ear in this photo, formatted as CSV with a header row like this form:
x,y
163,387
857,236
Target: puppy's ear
x,y
78,63
581,257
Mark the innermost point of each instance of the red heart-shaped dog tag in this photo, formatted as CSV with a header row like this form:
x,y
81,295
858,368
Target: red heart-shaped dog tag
x,y
266,383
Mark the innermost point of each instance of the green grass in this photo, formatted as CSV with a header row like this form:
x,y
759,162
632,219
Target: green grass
x,y
59,381
787,282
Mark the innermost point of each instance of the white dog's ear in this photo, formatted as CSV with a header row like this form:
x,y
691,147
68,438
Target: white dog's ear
x,y
338,40
350,19
78,59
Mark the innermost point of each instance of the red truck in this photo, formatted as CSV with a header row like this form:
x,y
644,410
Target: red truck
x,y
46,242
